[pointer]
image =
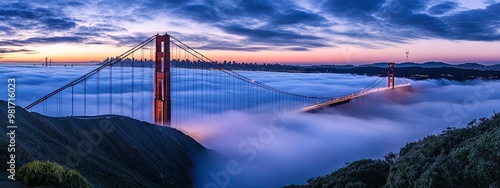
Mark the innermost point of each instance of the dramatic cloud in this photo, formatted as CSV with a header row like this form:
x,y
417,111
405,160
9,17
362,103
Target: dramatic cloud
x,y
132,39
4,50
71,4
408,20
49,40
443,8
298,17
253,25
277,37
43,41
477,25
359,11
278,22
25,17
35,24
57,24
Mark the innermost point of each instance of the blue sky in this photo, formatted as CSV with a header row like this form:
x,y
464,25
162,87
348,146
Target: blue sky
x,y
316,31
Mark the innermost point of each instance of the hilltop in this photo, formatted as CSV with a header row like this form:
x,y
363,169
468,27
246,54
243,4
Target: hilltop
x,y
110,151
467,157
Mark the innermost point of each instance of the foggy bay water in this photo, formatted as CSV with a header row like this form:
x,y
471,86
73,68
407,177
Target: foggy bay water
x,y
305,145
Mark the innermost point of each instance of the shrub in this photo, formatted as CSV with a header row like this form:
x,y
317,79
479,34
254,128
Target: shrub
x,y
466,157
47,173
361,173
74,179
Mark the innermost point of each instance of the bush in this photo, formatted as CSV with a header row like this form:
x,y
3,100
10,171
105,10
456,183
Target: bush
x,y
49,173
361,173
466,157
74,179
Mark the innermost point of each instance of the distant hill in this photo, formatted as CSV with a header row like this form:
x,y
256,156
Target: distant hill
x,y
429,65
468,157
123,152
381,65
417,73
435,65
471,66
409,64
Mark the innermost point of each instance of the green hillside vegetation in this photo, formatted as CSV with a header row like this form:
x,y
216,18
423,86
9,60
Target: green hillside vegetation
x,y
467,157
47,173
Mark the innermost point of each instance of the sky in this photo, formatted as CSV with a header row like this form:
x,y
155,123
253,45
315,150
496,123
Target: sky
x,y
301,31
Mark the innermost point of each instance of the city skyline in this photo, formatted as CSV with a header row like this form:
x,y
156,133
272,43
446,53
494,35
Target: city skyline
x,y
305,31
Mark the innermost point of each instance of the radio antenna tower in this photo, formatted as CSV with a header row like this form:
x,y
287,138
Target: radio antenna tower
x,y
407,55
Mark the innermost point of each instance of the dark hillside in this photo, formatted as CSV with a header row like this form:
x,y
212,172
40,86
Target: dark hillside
x,y
110,151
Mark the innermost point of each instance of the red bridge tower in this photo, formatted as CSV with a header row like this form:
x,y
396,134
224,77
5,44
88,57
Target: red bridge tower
x,y
162,103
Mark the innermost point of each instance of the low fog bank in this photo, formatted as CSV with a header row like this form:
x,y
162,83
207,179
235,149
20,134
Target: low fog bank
x,y
282,148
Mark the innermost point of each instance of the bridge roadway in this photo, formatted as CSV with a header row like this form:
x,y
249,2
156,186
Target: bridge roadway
x,y
345,99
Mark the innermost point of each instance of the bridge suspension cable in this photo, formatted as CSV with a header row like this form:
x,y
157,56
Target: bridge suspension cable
x,y
199,87
236,75
91,73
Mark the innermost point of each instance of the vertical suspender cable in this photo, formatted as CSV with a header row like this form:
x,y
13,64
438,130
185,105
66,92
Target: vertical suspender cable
x,y
150,81
98,92
121,87
133,84
110,88
85,97
72,101
142,83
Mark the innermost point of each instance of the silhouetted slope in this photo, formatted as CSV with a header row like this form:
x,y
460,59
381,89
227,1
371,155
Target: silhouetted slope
x,y
468,157
361,173
120,151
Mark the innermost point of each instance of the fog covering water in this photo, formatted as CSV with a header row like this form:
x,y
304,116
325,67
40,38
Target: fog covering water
x,y
279,148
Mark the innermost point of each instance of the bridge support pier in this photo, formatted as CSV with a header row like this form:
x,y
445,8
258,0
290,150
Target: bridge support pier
x,y
390,75
162,103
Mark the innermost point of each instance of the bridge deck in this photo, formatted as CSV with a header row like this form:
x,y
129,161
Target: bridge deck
x,y
347,98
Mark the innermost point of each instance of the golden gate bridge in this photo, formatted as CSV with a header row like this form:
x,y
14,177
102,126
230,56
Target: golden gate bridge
x,y
182,84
